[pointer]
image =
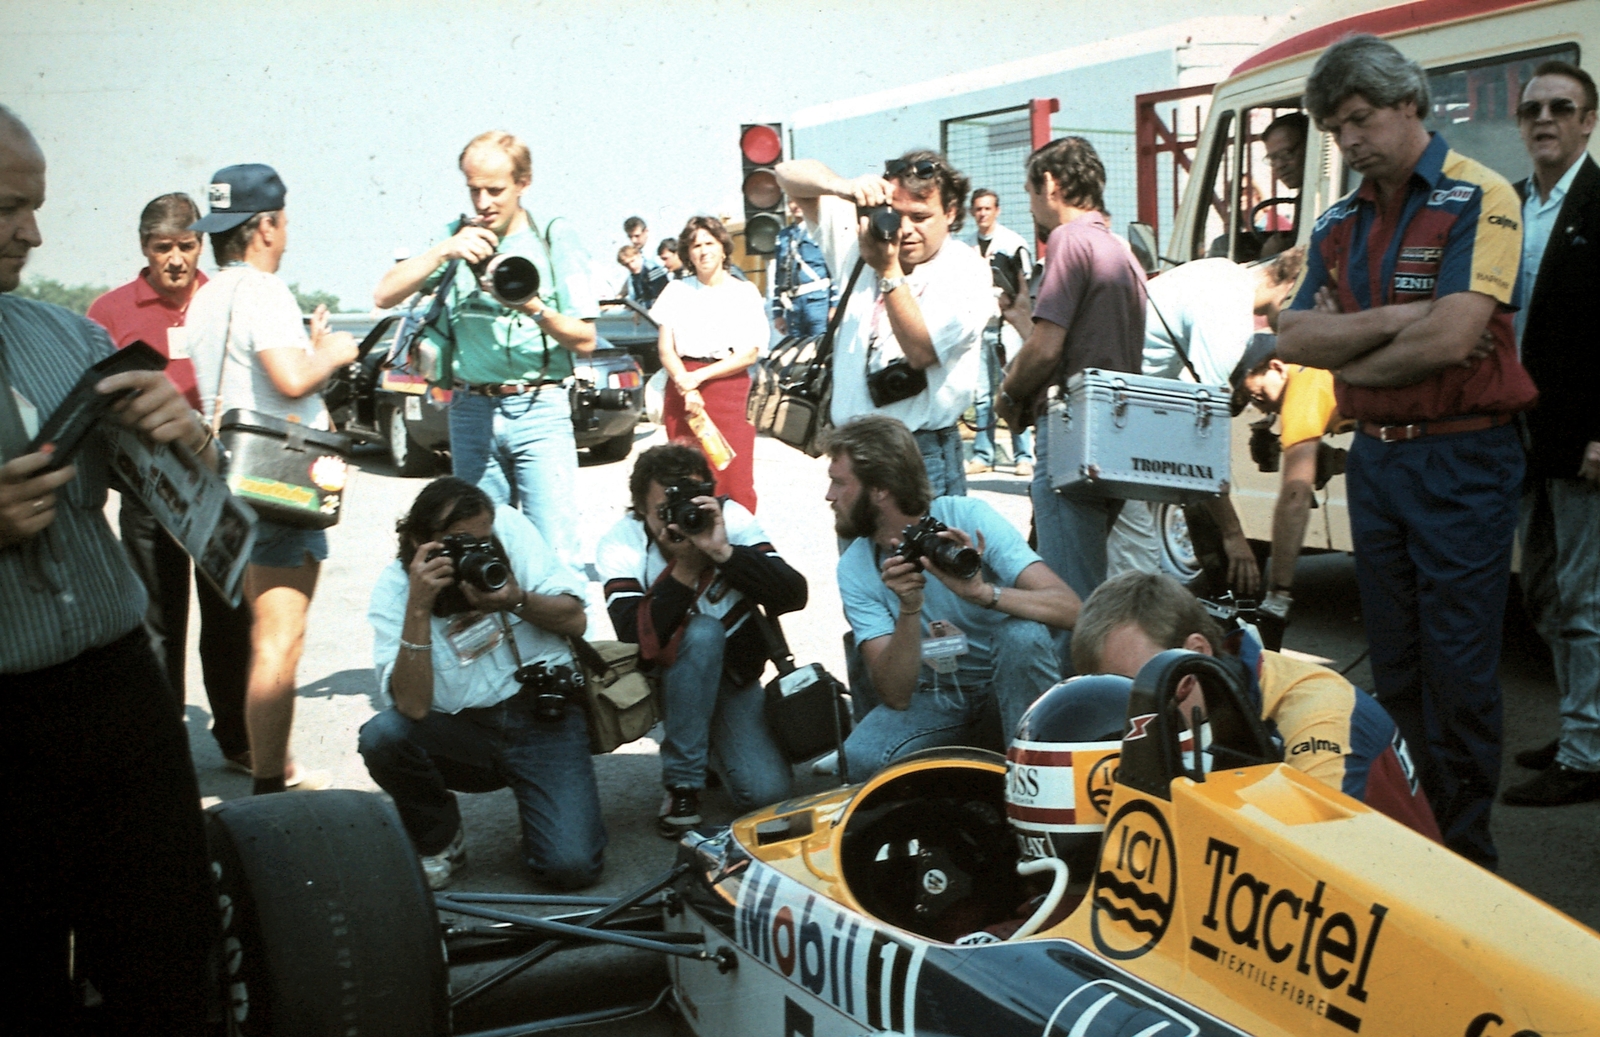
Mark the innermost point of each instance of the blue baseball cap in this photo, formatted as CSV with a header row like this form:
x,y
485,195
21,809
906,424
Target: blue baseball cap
x,y
238,193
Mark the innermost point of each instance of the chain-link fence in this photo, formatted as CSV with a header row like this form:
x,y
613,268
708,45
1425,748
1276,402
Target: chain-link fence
x,y
993,148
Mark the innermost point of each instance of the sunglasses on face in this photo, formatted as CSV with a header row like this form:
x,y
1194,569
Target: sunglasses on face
x,y
922,169
1560,108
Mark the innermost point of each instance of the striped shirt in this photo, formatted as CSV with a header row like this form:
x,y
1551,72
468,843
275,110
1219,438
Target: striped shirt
x,y
70,588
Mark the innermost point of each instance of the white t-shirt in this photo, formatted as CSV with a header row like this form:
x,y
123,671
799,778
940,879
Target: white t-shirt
x,y
712,322
1210,305
487,678
248,311
955,292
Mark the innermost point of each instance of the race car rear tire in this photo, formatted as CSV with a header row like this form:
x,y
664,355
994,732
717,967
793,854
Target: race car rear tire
x,y
410,457
328,925
614,449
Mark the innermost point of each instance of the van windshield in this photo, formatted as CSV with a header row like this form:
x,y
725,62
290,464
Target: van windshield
x,y
1475,107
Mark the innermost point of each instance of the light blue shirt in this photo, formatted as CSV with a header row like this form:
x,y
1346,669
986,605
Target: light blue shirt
x,y
872,608
1538,220
488,679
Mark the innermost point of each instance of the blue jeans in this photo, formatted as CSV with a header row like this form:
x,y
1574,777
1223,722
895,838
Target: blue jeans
x,y
520,450
1432,520
547,766
808,317
705,711
941,456
1072,531
1561,586
947,712
983,406
285,547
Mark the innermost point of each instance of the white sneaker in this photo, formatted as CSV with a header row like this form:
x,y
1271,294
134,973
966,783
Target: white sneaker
x,y
440,866
828,764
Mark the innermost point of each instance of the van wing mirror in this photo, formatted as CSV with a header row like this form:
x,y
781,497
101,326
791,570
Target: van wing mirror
x,y
1142,238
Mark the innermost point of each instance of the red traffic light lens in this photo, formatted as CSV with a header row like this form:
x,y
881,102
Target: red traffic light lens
x,y
761,145
761,234
761,190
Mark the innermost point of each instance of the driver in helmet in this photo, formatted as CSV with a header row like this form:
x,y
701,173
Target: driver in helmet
x,y
1330,729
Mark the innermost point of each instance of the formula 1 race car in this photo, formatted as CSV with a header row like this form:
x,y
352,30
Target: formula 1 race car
x,y
1241,899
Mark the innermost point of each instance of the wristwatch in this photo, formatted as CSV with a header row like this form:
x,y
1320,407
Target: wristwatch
x,y
889,284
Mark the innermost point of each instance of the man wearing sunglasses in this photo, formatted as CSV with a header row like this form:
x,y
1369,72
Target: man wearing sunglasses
x,y
1404,277
907,344
1561,501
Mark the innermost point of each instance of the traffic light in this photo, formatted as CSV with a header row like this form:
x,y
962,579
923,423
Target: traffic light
x,y
761,148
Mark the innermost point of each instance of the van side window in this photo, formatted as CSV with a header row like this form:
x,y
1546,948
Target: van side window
x,y
1211,230
1475,106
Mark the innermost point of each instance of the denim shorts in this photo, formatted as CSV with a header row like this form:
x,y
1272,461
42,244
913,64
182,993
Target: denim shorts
x,y
286,547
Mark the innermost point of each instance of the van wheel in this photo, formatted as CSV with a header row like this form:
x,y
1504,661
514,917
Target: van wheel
x,y
614,449
409,457
328,925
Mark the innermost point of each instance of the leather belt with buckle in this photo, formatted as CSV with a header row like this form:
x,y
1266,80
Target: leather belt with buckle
x,y
1401,433
508,389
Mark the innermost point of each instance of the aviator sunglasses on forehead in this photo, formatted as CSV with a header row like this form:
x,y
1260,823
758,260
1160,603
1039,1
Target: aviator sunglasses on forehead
x,y
922,169
1560,108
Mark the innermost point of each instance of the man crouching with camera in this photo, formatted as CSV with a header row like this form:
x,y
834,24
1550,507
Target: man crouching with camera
x,y
683,572
948,652
471,624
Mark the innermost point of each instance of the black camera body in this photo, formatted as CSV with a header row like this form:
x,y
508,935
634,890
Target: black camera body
x,y
679,509
549,688
1006,270
1265,448
478,561
883,223
922,540
895,381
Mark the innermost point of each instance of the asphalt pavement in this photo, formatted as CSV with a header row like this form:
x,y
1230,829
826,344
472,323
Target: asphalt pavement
x,y
1552,853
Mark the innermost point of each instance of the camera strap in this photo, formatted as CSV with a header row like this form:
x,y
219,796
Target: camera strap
x,y
1177,343
777,647
825,347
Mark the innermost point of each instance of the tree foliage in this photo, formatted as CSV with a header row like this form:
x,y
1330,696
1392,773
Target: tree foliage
x,y
309,301
75,297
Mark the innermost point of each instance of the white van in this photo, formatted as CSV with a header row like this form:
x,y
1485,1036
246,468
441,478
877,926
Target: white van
x,y
1479,54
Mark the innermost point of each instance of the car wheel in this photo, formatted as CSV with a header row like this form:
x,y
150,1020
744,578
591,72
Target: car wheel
x,y
613,449
327,922
409,456
1178,556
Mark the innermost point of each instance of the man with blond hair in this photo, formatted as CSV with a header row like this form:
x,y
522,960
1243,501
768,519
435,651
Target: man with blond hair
x,y
511,429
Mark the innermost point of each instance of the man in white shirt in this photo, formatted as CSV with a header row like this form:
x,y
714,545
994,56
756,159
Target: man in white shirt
x,y
920,310
481,686
1000,340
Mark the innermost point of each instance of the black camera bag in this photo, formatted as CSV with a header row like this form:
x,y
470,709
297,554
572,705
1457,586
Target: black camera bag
x,y
290,474
807,709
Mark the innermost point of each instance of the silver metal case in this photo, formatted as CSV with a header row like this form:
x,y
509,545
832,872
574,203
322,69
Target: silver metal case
x,y
1116,434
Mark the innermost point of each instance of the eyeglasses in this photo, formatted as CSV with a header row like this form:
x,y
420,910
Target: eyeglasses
x,y
922,169
1560,108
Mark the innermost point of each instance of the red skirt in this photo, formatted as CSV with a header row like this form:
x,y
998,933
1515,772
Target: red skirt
x,y
725,398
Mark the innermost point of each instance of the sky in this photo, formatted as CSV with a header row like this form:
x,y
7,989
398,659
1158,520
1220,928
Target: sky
x,y
363,105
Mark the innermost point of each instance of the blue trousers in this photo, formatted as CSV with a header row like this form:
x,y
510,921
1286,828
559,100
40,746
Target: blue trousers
x,y
706,713
547,766
983,440
521,451
941,456
808,317
1561,586
1072,530
1433,520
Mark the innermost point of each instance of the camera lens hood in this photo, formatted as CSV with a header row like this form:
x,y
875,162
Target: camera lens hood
x,y
513,280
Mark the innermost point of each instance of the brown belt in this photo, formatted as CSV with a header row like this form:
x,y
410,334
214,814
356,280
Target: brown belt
x,y
1399,433
508,389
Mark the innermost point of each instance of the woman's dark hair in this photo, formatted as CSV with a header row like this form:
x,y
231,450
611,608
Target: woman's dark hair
x,y
712,226
441,504
665,464
1077,168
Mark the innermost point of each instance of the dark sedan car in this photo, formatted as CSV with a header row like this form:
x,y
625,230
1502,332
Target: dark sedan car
x,y
401,410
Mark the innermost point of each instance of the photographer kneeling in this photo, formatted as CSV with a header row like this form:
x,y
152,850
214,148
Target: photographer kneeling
x,y
471,625
682,572
938,650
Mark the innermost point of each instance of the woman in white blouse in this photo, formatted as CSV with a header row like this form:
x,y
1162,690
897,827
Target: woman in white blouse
x,y
713,326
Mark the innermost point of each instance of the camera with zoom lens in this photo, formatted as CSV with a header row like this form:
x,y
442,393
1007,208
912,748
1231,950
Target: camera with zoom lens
x,y
895,381
883,223
478,561
1265,449
922,540
549,689
679,509
512,280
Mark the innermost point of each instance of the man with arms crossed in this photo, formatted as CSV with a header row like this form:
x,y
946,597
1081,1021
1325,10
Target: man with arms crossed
x,y
1403,277
1561,506
103,814
511,430
151,309
925,299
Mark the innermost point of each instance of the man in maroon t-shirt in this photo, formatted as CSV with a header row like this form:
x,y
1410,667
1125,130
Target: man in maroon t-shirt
x,y
151,309
1089,313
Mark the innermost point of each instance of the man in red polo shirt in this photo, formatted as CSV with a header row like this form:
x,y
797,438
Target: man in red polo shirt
x,y
1407,297
151,308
